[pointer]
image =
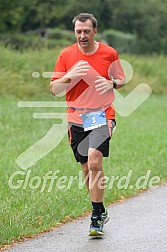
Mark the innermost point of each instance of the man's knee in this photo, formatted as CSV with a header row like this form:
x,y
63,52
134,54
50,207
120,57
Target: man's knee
x,y
95,160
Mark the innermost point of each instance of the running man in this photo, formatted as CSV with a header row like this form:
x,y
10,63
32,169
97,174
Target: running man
x,y
88,71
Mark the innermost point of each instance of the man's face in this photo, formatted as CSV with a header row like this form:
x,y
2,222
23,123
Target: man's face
x,y
84,33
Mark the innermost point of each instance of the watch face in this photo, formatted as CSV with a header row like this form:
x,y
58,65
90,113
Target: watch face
x,y
114,84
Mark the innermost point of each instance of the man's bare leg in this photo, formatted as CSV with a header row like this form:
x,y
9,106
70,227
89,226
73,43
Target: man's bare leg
x,y
95,174
93,171
86,173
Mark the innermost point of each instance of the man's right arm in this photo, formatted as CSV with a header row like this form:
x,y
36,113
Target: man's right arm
x,y
59,85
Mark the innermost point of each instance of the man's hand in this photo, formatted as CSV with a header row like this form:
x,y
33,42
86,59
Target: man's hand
x,y
80,69
103,85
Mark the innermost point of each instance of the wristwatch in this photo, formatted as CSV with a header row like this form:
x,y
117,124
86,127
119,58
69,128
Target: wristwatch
x,y
114,84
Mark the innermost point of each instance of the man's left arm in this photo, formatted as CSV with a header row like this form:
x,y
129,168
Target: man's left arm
x,y
103,85
118,83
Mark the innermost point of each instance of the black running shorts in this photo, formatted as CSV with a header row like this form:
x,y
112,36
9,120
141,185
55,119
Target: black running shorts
x,y
81,140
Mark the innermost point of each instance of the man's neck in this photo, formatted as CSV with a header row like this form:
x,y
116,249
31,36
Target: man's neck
x,y
89,50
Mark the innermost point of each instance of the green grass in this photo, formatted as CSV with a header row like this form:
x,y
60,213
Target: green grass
x,y
16,70
138,144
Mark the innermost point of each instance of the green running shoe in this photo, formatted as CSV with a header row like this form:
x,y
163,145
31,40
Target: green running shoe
x,y
96,226
104,217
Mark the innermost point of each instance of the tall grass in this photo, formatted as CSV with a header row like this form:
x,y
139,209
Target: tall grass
x,y
16,70
148,69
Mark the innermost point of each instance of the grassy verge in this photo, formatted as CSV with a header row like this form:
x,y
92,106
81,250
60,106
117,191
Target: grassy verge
x,y
16,70
138,145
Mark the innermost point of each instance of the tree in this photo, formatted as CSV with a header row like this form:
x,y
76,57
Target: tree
x,y
145,19
12,13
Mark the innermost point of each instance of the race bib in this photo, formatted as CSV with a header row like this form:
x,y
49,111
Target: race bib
x,y
93,120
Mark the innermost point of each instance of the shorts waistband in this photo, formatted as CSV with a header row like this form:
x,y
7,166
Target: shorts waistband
x,y
90,109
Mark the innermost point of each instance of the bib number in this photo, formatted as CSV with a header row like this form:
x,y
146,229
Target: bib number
x,y
93,120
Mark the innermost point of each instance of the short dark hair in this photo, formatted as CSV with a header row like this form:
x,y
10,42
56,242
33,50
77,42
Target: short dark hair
x,y
82,17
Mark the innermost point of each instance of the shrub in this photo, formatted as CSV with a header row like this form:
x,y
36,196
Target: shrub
x,y
60,34
35,40
122,42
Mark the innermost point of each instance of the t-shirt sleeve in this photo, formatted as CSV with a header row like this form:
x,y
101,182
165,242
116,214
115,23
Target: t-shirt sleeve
x,y
59,68
115,69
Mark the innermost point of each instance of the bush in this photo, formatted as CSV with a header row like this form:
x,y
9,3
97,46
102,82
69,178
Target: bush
x,y
61,35
122,42
35,40
22,41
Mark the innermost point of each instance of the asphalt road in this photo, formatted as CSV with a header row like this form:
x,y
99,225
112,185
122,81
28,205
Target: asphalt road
x,y
136,224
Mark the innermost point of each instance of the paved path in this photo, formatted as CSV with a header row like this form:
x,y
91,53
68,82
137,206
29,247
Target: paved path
x,y
137,224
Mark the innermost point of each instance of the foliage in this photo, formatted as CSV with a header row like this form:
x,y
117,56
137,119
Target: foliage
x,y
121,41
59,34
145,19
33,40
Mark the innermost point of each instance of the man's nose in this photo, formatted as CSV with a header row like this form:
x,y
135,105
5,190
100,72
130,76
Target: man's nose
x,y
82,34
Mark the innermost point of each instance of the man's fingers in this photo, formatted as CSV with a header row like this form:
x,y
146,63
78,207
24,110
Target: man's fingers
x,y
101,78
103,87
82,63
80,69
99,81
100,85
99,88
104,91
79,74
83,68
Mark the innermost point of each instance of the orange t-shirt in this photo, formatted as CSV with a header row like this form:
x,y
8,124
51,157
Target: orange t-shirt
x,y
81,95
